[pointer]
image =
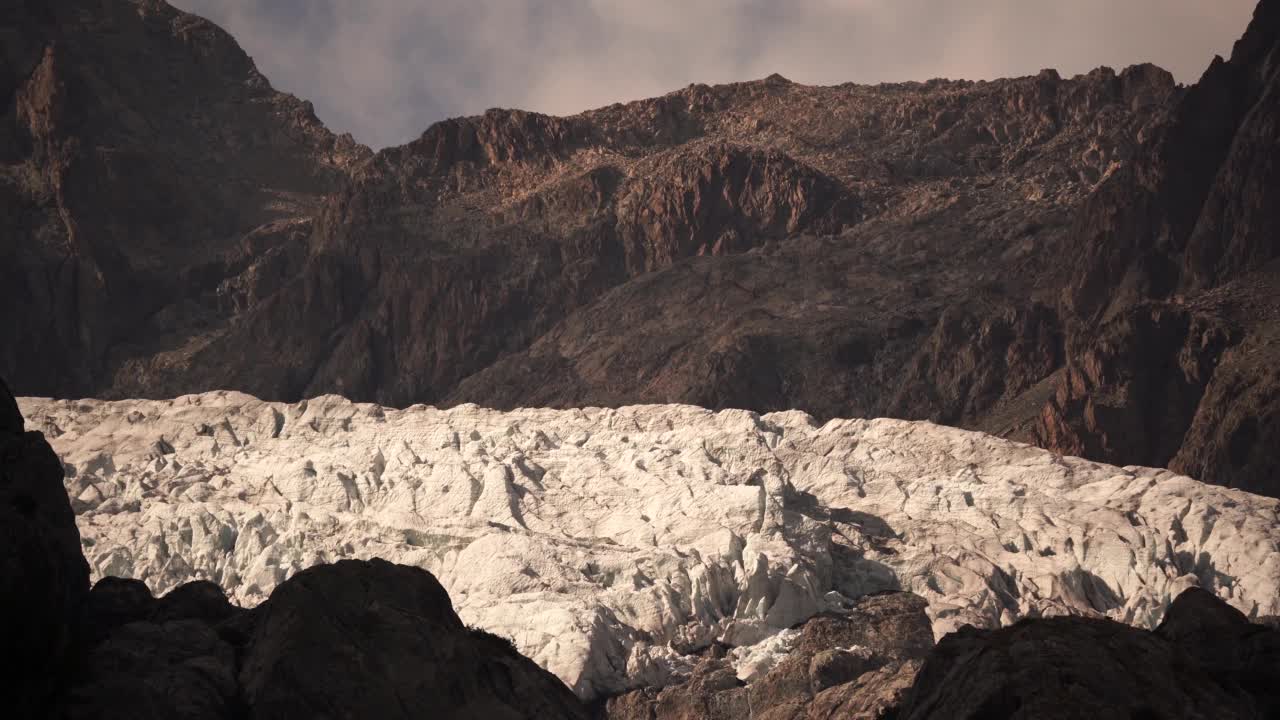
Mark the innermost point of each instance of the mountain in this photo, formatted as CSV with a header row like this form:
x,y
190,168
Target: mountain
x,y
615,546
1084,263
1177,362
144,163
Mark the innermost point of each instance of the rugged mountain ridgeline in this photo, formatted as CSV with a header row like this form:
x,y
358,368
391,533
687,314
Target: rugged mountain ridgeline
x,y
1084,263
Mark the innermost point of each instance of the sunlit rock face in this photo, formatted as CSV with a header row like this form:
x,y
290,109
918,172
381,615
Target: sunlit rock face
x,y
611,545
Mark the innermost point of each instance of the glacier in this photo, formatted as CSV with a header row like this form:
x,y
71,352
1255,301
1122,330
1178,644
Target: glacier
x,y
612,544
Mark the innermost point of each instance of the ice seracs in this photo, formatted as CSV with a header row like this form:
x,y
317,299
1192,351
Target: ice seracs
x,y
612,543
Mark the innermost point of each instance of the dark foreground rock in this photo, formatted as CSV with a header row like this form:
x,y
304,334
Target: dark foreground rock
x,y
853,665
1086,263
403,653
1205,661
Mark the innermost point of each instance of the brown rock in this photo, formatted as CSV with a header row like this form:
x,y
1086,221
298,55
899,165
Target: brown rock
x,y
870,697
856,662
1206,661
1042,257
838,666
139,144
400,649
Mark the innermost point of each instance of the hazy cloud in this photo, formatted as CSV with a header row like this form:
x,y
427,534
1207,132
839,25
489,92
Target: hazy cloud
x,y
386,69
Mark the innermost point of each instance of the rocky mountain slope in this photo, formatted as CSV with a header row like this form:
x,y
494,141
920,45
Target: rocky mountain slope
x,y
851,251
146,169
1139,325
469,244
1177,364
616,546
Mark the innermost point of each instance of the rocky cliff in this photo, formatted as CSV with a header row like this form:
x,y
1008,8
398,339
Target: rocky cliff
x,y
144,164
1086,263
1174,360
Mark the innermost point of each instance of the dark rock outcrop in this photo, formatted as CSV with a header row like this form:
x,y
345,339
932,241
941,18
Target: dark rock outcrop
x,y
43,575
352,639
11,422
136,663
1233,651
852,665
1204,661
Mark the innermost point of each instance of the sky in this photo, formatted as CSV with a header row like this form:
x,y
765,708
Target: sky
x,y
384,70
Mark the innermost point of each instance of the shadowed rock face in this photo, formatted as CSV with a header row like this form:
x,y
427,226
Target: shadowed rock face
x,y
45,577
1175,362
11,421
352,639
852,665
144,161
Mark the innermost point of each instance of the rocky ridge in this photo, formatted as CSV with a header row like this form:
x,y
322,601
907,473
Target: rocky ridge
x,y
613,545
468,246
852,251
1156,348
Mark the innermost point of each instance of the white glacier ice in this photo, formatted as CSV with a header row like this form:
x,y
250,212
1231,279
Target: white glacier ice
x,y
611,544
